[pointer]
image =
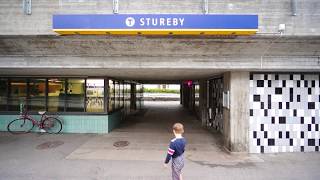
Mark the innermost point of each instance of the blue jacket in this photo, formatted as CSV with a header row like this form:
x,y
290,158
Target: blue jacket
x,y
176,148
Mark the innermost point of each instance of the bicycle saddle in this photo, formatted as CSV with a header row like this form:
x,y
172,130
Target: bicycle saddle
x,y
42,112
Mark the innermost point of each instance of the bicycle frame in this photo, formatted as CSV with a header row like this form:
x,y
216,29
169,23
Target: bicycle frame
x,y
25,115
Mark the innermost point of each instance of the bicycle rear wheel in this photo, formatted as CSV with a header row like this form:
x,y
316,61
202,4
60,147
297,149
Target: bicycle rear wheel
x,y
52,125
20,126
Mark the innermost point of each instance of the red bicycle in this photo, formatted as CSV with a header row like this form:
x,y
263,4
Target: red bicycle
x,y
25,123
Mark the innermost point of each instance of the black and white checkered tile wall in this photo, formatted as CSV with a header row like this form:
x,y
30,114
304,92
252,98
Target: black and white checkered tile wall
x,y
284,113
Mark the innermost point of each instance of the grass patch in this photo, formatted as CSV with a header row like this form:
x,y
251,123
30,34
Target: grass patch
x,y
158,90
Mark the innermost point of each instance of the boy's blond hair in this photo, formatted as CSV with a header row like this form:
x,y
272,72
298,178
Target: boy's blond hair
x,y
178,128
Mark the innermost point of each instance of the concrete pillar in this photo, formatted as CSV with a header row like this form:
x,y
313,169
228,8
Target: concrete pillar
x,y
191,98
183,98
106,95
203,102
181,94
186,96
236,118
133,98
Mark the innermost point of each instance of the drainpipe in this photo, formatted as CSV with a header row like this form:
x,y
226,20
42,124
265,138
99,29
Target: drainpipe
x,y
115,6
205,6
294,7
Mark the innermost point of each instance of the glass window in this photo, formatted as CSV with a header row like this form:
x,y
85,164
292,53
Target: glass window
x,y
121,94
75,95
18,93
95,95
37,95
127,97
117,91
138,95
111,96
56,95
124,96
196,96
3,94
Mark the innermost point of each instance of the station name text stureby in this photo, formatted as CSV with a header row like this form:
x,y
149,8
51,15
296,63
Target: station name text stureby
x,y
156,22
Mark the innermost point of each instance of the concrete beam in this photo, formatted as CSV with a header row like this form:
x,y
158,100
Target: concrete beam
x,y
268,63
129,46
155,58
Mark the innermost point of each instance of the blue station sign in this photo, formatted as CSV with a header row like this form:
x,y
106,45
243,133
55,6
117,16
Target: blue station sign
x,y
156,24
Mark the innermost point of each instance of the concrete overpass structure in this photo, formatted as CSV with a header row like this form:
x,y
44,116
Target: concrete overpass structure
x,y
180,57
246,70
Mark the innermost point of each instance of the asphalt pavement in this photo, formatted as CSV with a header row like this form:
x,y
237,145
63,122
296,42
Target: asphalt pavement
x,y
136,151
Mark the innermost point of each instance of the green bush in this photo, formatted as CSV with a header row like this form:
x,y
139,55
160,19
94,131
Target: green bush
x,y
158,90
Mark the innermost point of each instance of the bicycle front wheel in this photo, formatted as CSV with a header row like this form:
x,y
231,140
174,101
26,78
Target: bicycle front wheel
x,y
19,126
52,125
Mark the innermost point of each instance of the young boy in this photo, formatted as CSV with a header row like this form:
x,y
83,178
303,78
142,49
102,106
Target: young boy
x,y
176,150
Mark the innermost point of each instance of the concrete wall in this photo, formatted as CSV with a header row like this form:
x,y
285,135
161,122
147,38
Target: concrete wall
x,y
271,13
115,119
236,118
